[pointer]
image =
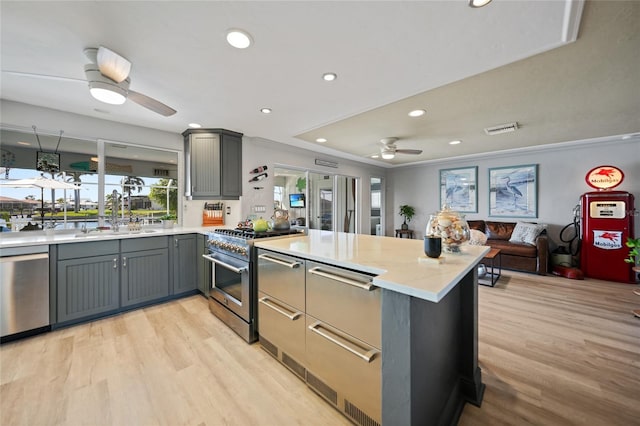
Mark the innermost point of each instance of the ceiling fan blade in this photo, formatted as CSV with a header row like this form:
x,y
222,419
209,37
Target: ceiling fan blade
x,y
409,151
43,76
113,65
150,103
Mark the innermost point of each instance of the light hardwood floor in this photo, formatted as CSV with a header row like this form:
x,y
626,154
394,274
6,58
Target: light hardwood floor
x,y
553,352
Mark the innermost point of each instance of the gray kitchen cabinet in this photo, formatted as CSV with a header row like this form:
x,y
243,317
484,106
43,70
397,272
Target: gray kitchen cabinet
x,y
185,264
213,164
103,277
88,277
145,276
204,267
145,270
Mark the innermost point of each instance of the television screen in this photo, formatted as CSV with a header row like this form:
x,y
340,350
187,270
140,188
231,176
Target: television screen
x,y
48,162
296,200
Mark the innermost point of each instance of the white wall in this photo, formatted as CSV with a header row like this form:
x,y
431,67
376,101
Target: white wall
x,y
561,182
84,127
259,152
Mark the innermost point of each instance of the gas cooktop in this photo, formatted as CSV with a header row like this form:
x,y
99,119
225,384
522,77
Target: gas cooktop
x,y
249,233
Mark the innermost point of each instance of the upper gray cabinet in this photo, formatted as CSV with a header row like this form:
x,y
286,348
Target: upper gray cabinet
x,y
213,164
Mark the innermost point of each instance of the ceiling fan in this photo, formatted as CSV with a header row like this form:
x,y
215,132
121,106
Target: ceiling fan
x,y
108,78
389,149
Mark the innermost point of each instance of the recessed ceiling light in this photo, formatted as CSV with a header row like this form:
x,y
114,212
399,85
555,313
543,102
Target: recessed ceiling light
x,y
478,3
24,143
195,125
417,113
265,110
321,140
239,39
455,142
375,156
329,76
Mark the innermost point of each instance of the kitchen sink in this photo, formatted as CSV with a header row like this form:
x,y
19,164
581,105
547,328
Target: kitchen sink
x,y
103,234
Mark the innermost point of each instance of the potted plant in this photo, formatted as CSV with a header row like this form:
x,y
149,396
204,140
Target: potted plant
x,y
168,220
407,212
634,253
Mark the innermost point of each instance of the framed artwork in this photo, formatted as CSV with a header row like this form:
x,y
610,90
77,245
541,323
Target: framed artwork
x,y
459,189
513,191
48,162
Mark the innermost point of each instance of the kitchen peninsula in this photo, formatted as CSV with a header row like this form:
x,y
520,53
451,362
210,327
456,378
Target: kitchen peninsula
x,y
428,323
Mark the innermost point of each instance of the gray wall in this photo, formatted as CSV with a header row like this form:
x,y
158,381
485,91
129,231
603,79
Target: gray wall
x,y
561,182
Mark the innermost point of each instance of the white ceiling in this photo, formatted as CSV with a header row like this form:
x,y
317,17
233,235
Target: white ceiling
x,y
469,68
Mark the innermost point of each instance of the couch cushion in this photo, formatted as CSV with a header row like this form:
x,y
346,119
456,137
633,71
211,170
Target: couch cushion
x,y
499,230
526,233
524,250
477,224
477,238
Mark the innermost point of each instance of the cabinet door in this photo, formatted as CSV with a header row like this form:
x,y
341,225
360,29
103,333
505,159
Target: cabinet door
x,y
87,287
185,274
231,166
204,267
205,165
145,276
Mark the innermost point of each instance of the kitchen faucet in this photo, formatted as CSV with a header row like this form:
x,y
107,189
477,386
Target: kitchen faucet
x,y
114,211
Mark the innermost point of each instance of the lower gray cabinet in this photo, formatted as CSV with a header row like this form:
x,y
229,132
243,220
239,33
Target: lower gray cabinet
x,y
87,279
145,276
184,254
87,286
204,267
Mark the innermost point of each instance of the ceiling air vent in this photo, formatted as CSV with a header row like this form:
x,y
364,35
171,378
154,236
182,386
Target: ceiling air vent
x,y
501,128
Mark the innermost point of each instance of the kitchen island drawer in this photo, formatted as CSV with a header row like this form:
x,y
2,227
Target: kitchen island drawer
x,y
346,300
282,332
282,277
344,370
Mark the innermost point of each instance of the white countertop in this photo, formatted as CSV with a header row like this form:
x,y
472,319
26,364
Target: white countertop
x,y
31,238
398,264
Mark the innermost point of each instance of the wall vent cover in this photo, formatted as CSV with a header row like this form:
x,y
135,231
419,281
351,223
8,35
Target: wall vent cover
x,y
501,128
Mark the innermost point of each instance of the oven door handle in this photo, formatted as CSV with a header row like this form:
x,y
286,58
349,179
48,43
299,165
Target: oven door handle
x,y
226,265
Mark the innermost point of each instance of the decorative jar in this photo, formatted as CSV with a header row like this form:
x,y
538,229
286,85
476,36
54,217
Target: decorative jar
x,y
451,226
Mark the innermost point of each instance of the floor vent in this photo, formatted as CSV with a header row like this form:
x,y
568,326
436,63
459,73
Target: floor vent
x,y
357,415
320,387
269,347
294,365
501,128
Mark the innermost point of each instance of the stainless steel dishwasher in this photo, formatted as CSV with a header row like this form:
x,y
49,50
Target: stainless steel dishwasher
x,y
24,291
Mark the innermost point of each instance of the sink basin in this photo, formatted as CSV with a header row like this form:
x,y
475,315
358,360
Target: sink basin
x,y
108,233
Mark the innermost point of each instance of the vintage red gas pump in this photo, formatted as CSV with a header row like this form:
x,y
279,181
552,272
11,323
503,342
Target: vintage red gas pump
x,y
607,222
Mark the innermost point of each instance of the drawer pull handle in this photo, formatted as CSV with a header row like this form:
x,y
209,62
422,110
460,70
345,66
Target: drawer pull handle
x,y
268,303
367,356
365,285
279,261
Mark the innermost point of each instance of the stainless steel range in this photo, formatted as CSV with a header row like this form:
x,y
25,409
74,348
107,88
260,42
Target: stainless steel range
x,y
233,294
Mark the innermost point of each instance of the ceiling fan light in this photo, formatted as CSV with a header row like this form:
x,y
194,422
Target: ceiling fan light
x,y
387,154
113,65
106,93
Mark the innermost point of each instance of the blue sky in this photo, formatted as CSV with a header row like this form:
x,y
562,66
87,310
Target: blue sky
x,y
89,187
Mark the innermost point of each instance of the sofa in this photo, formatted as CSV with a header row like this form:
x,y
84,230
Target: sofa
x,y
531,256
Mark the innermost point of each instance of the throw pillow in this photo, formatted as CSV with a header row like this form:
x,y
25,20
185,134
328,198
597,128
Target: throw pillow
x,y
477,238
526,233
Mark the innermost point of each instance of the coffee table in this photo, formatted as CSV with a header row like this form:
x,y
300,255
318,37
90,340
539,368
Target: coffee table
x,y
491,278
